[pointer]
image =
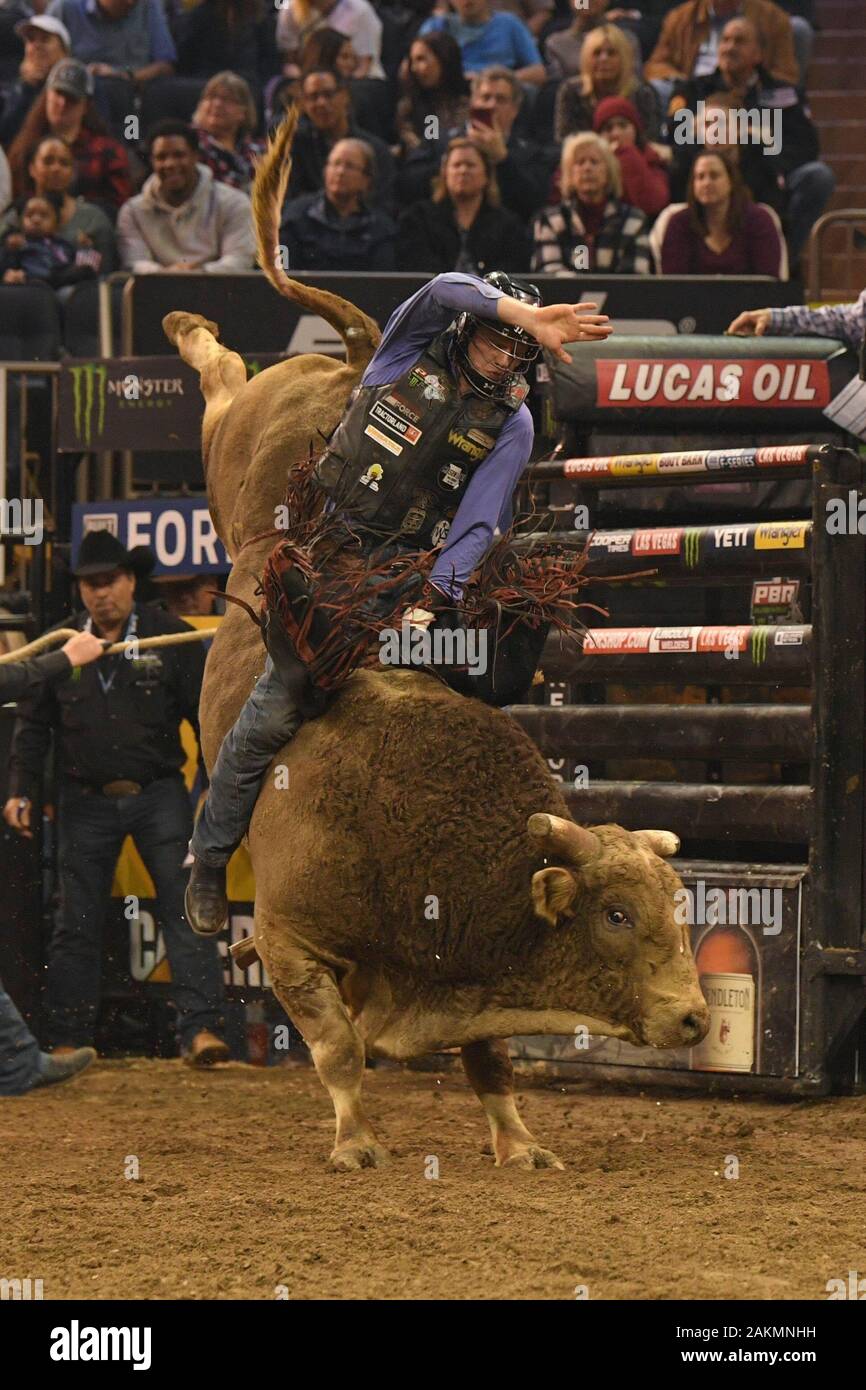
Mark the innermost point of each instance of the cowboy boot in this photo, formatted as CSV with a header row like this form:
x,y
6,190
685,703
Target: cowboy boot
x,y
205,902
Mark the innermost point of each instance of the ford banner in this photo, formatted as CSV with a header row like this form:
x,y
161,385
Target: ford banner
x,y
179,531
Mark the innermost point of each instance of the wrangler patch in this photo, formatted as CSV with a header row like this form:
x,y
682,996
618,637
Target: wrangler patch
x,y
460,441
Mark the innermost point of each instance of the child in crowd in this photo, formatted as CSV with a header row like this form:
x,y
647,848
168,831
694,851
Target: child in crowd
x,y
36,253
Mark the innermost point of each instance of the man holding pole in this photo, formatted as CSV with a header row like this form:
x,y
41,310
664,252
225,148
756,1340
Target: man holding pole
x,y
119,761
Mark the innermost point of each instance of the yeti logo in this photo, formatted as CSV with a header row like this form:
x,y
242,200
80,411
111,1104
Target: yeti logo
x,y
440,531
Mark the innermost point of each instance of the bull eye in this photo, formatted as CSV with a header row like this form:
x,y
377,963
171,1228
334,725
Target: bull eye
x,y
617,917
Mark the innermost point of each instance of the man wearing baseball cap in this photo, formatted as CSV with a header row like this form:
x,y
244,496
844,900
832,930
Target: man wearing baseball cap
x,y
72,78
46,41
102,172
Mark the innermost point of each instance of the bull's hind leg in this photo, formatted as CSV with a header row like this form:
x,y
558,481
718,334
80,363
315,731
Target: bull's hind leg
x,y
222,372
309,995
491,1076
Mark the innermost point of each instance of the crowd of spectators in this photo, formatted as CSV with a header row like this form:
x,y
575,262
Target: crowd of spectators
x,y
531,135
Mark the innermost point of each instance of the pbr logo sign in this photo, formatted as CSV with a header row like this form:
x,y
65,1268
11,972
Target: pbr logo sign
x,y
775,601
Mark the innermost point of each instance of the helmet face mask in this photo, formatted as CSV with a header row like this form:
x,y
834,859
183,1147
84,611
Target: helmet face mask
x,y
502,351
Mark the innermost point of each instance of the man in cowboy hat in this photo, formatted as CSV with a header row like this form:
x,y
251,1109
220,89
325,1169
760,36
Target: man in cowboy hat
x,y
119,760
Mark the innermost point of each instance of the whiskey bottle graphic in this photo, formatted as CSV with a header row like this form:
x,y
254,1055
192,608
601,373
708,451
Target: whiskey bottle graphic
x,y
728,969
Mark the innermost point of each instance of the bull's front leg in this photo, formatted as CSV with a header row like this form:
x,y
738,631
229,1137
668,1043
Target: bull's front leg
x,y
491,1076
310,997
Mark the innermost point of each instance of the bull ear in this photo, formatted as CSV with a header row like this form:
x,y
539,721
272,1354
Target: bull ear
x,y
553,891
555,835
662,842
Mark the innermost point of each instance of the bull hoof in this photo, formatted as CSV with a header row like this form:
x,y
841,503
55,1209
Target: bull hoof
x,y
358,1154
533,1156
177,323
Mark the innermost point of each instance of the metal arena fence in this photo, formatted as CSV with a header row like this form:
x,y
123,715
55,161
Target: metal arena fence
x,y
806,971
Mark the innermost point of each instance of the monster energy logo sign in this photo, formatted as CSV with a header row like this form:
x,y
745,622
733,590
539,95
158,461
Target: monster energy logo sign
x,y
89,384
760,639
692,546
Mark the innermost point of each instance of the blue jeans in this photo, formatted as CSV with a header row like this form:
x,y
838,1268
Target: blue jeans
x,y
809,191
267,721
20,1057
91,830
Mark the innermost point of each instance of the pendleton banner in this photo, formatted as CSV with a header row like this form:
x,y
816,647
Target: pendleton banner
x,y
147,403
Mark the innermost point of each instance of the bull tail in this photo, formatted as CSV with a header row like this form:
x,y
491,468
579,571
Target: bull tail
x,y
359,332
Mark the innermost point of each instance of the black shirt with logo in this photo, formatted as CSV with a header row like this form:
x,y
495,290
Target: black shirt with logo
x,y
115,719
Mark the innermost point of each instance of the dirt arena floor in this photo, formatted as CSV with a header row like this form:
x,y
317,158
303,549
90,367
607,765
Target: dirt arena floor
x,y
234,1197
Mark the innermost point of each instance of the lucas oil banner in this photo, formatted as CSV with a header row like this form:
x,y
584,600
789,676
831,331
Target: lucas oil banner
x,y
148,403
701,383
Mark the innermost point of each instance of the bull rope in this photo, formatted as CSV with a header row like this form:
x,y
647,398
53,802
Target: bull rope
x,y
62,634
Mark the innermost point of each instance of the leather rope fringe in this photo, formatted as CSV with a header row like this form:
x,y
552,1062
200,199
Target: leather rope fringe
x,y
334,600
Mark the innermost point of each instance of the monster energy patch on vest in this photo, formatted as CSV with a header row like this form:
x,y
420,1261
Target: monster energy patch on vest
x,y
404,454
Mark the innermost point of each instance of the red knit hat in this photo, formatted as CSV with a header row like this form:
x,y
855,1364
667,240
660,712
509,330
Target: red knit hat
x,y
609,107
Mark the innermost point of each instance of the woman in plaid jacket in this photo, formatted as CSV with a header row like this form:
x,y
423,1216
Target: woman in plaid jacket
x,y
592,228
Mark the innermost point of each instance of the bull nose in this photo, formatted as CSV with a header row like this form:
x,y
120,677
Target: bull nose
x,y
694,1026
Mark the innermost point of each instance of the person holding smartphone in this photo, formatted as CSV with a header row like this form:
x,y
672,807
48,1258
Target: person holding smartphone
x,y
523,168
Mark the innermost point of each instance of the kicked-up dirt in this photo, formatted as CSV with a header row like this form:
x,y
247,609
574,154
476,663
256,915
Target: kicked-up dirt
x,y
145,1179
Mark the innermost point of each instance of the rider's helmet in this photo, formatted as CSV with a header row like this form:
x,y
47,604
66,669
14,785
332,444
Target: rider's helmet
x,y
521,345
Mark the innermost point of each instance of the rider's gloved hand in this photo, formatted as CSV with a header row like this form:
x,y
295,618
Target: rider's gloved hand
x,y
418,617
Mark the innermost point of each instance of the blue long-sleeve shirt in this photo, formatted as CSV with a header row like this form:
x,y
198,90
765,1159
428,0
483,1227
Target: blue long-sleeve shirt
x,y
847,322
486,504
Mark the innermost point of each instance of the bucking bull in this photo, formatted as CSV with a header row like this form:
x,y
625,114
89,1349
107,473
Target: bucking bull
x,y
421,884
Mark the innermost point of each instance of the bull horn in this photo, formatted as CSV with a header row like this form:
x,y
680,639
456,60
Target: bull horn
x,y
661,842
563,837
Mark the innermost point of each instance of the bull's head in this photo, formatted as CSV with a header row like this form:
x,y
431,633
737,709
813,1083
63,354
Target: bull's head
x,y
609,897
